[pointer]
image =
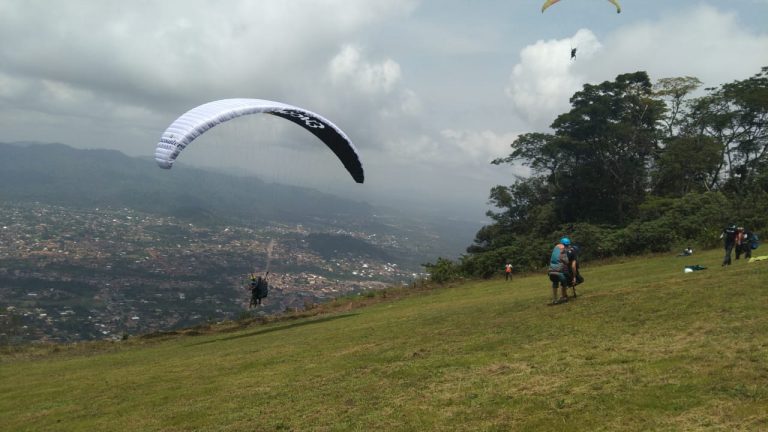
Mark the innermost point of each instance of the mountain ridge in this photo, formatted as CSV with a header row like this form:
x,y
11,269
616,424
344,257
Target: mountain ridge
x,y
58,174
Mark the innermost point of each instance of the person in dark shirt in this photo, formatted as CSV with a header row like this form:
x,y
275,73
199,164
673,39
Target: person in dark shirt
x,y
574,275
259,289
744,243
729,241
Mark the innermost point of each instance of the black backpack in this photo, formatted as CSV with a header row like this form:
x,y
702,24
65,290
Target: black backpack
x,y
754,242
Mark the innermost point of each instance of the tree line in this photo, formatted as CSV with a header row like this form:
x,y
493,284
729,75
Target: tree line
x,y
633,167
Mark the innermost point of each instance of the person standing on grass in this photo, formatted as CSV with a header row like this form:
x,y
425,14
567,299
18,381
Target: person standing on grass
x,y
744,243
508,271
559,270
729,240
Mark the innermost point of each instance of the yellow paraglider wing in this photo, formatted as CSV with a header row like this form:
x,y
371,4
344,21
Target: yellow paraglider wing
x,y
547,4
616,3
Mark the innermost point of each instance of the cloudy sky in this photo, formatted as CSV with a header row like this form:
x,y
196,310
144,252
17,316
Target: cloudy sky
x,y
429,91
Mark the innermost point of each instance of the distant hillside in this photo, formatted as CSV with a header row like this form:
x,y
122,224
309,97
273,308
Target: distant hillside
x,y
62,175
58,174
645,347
331,245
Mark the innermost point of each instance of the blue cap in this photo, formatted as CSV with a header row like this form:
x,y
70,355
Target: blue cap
x,y
565,240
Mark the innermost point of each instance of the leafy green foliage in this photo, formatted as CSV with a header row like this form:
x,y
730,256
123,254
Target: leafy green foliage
x,y
686,165
736,115
443,270
633,168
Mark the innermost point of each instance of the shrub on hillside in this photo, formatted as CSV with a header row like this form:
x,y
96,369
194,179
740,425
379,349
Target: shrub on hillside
x,y
594,241
443,270
663,224
694,218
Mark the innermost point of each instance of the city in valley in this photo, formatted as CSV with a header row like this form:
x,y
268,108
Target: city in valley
x,y
104,273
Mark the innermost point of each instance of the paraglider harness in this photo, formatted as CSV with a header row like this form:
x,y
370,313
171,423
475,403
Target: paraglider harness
x,y
259,289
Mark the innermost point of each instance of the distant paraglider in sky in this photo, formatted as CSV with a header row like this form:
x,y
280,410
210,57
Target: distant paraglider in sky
x,y
549,3
197,121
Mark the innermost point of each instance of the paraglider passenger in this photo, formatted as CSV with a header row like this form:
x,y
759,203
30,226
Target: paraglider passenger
x,y
729,240
559,270
259,288
573,53
574,275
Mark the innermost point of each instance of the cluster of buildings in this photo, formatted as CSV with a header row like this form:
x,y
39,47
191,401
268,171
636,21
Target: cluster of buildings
x,y
77,274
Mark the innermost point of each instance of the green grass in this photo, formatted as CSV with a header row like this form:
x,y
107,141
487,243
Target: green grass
x,y
644,347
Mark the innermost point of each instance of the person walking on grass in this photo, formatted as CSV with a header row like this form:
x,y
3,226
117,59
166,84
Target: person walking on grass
x,y
574,273
559,271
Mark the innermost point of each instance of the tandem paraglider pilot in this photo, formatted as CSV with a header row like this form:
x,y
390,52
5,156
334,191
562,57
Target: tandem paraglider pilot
x,y
559,270
259,289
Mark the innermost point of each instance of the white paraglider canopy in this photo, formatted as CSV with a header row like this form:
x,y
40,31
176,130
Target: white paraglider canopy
x,y
197,121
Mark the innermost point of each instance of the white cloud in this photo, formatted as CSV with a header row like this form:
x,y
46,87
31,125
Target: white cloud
x,y
543,81
452,148
370,97
479,147
131,64
410,103
161,53
701,41
349,68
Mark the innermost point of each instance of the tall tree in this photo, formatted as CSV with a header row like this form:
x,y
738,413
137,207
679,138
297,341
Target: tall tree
x,y
736,115
674,90
607,140
597,162
687,164
522,211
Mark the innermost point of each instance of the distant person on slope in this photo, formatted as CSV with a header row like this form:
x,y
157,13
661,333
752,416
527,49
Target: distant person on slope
x,y
559,270
729,240
508,271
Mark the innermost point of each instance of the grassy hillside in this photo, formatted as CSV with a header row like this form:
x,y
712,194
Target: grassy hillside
x,y
645,347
